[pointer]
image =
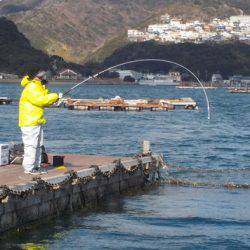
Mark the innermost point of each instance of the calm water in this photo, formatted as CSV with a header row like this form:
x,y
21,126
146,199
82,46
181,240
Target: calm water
x,y
215,152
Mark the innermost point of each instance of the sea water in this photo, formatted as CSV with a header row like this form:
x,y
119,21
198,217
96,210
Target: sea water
x,y
213,152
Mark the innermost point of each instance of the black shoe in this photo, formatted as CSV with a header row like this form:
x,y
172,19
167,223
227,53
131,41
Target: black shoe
x,y
42,171
36,172
33,172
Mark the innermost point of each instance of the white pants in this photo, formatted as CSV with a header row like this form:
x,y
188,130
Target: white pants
x,y
33,140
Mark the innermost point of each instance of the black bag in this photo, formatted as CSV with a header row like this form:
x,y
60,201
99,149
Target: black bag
x,y
45,158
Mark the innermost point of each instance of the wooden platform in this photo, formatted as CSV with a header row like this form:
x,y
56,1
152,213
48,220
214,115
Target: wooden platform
x,y
11,175
119,104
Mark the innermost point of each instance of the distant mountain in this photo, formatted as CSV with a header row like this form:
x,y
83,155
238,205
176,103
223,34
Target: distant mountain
x,y
203,59
17,55
14,6
78,29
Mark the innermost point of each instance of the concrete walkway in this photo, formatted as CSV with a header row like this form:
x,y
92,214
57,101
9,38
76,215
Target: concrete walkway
x,y
14,174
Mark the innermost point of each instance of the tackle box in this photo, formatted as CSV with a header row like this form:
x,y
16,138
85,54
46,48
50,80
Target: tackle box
x,y
4,154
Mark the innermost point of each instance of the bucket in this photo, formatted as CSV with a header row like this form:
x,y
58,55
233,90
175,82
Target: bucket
x,y
58,161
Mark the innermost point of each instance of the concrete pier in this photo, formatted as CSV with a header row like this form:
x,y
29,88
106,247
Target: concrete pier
x,y
86,180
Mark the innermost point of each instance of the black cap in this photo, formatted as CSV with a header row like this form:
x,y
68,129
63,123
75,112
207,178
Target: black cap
x,y
33,71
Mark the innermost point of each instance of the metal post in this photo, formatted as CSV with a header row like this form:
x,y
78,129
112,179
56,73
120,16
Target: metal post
x,y
146,147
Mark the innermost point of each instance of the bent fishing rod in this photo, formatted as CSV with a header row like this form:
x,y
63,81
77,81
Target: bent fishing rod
x,y
145,60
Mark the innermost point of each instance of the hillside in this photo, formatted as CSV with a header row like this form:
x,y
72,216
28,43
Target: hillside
x,y
203,59
17,54
75,30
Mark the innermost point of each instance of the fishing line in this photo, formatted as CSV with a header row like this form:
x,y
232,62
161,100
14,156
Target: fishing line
x,y
146,60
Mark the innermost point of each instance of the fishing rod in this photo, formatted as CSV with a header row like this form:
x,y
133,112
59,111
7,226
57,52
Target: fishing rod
x,y
146,60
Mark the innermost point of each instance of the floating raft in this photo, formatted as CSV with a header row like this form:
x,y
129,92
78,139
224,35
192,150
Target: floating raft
x,y
195,87
86,180
119,104
5,101
239,90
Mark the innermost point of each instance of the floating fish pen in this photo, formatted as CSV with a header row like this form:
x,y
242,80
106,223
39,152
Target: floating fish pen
x,y
239,90
5,101
85,181
119,104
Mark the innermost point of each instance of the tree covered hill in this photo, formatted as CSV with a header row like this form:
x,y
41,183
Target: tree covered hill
x,y
16,53
204,59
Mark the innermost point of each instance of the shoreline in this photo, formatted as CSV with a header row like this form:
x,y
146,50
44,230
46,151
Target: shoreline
x,y
114,82
72,82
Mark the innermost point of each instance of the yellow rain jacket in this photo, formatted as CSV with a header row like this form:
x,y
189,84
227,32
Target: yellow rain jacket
x,y
32,102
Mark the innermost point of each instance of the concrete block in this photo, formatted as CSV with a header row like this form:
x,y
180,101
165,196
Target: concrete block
x,y
90,195
45,209
27,214
146,159
29,201
1,209
102,180
76,189
102,191
123,185
62,203
57,179
7,221
107,168
113,188
23,187
86,172
130,163
9,206
47,196
91,185
114,178
134,181
58,193
76,201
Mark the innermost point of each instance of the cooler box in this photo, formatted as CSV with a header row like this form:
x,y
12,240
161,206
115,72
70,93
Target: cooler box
x,y
4,154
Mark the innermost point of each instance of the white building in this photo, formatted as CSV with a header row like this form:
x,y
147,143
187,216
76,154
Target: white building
x,y
165,18
131,73
243,21
176,31
8,76
68,74
136,35
217,78
158,28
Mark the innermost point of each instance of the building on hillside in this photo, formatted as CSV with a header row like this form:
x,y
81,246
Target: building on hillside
x,y
235,81
136,36
158,28
176,76
131,73
174,30
246,80
239,81
68,74
165,18
241,23
217,78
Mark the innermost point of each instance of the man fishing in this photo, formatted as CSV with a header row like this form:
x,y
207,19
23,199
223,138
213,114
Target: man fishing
x,y
34,98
